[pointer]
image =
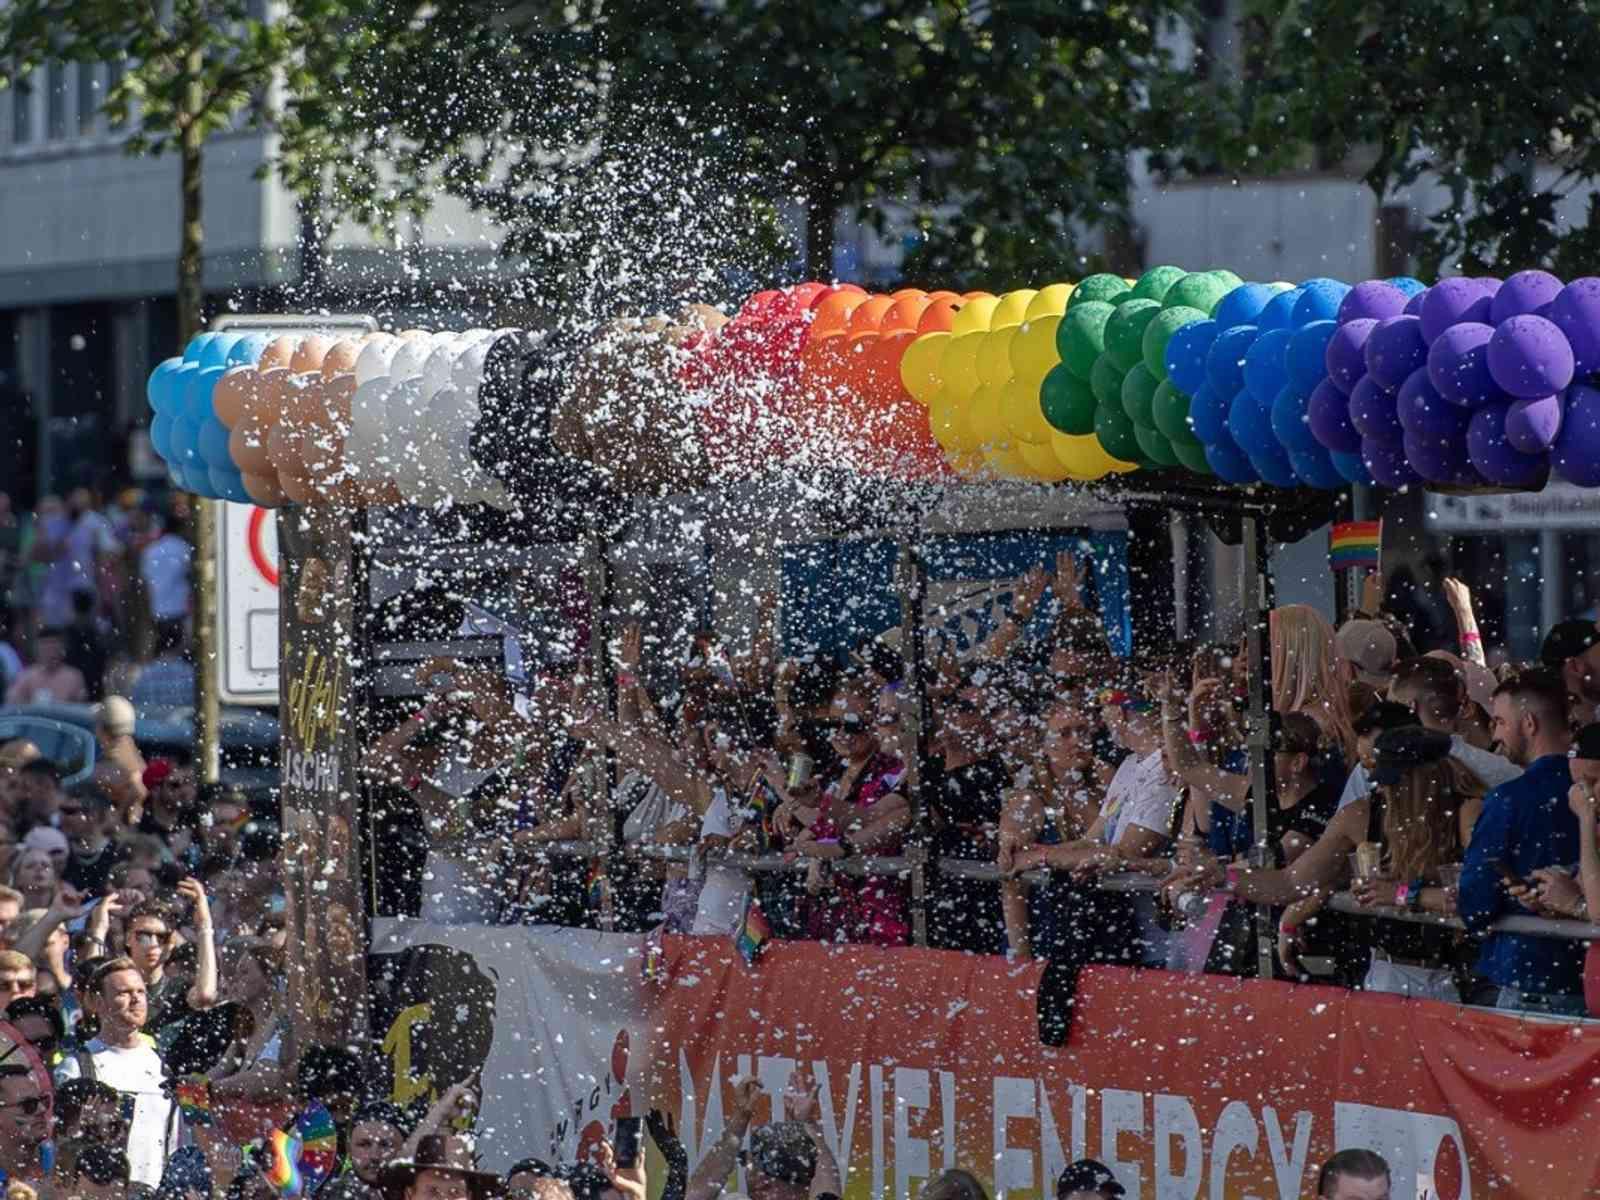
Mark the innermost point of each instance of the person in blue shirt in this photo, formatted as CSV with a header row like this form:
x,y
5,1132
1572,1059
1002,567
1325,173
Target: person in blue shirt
x,y
1526,824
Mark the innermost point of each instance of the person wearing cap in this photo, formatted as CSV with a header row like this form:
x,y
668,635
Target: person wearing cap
x,y
1087,1179
787,1160
1526,824
1369,650
440,1167
88,817
1572,647
171,808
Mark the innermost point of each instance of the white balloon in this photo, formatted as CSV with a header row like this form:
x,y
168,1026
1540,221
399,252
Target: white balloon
x,y
373,360
367,427
436,371
436,479
476,333
408,359
468,371
402,417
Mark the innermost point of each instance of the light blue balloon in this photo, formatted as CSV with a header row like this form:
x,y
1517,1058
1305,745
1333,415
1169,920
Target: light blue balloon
x,y
1351,467
1264,371
200,482
1225,359
186,442
215,352
197,344
168,396
155,388
1186,355
1242,305
161,436
229,485
1319,301
1279,311
1307,359
1315,468
212,444
197,395
1406,284
247,349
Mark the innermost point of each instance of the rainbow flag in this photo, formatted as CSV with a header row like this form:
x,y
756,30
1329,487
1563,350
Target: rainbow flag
x,y
594,885
194,1100
1354,544
319,1146
280,1163
753,933
760,807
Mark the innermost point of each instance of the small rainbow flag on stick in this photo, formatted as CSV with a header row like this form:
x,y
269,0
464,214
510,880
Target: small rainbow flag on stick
x,y
194,1099
280,1163
1354,544
319,1145
753,933
594,885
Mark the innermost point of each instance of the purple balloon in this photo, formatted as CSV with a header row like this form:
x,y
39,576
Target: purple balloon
x,y
1458,364
1532,425
1528,357
1422,411
1576,312
1387,464
1395,349
1438,460
1373,413
1346,355
1373,300
1414,305
1576,454
1328,414
1489,283
1497,459
1452,301
1524,292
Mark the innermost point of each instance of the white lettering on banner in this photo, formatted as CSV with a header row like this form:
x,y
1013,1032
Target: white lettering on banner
x,y
841,1140
910,1153
875,1090
947,1101
1410,1141
314,771
1055,1158
1121,1112
1236,1130
1175,1120
1289,1169
1013,1168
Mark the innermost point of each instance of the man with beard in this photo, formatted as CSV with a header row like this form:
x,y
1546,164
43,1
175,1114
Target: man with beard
x,y
376,1135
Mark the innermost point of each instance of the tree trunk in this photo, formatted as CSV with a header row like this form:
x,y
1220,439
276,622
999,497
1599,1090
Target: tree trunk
x,y
191,236
822,208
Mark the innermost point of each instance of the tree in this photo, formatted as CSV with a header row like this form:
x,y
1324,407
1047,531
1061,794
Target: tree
x,y
642,138
1497,102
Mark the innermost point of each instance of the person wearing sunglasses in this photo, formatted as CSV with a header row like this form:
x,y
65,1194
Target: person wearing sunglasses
x,y
26,1100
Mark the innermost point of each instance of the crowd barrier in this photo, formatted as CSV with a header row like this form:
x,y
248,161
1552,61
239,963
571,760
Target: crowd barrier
x,y
1186,1086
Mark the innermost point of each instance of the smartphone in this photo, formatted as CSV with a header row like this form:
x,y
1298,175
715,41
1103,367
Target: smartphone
x,y
629,1130
1507,874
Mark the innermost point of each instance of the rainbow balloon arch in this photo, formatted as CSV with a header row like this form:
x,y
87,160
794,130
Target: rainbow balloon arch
x,y
1469,383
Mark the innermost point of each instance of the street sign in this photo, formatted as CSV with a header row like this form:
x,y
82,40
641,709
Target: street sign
x,y
1558,506
247,607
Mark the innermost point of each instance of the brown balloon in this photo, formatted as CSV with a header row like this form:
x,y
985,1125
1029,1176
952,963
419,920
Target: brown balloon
x,y
228,397
264,490
309,354
247,443
327,426
340,358
286,445
279,352
297,490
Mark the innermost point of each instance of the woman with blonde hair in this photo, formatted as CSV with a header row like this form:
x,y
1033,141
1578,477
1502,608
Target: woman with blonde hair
x,y
1306,674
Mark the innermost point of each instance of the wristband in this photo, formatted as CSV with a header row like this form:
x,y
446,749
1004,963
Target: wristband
x,y
626,679
1197,737
1414,895
1288,931
1471,636
1402,892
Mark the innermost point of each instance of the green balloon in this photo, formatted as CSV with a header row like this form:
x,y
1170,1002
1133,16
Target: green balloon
x,y
1139,394
1067,402
1106,380
1228,277
1170,410
1125,332
1156,282
1159,332
1097,287
1116,433
1081,336
1156,448
1200,291
1193,456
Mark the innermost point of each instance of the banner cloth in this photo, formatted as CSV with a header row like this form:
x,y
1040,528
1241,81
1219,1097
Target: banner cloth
x,y
1185,1086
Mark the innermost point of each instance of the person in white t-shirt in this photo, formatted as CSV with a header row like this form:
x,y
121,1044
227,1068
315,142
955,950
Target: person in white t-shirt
x,y
164,567
124,1057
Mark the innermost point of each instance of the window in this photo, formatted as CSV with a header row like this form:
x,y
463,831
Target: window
x,y
89,97
22,113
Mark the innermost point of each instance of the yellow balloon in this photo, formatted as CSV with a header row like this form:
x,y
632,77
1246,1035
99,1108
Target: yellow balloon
x,y
921,366
959,367
994,356
1049,301
1033,350
1012,309
1084,456
984,417
965,463
973,316
1024,418
1005,462
943,425
1042,461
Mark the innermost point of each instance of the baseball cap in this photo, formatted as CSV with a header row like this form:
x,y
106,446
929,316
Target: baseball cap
x,y
784,1151
1370,648
1479,680
1399,750
1568,639
1086,1175
115,715
46,838
157,772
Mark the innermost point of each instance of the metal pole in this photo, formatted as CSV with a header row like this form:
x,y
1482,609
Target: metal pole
x,y
911,581
361,690
207,719
1256,594
597,578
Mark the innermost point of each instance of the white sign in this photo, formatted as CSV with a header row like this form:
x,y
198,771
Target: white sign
x,y
247,604
1559,506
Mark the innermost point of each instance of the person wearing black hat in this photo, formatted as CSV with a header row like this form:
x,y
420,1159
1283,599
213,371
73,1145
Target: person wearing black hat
x,y
787,1160
1087,1179
1572,647
441,1168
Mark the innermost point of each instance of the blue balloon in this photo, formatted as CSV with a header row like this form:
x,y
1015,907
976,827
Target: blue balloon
x,y
1315,469
229,485
166,387
1279,312
247,349
212,443
1406,284
1186,355
1264,371
1208,415
1351,467
199,480
1289,423
1307,358
1229,462
1274,466
186,442
197,344
1225,359
1242,305
197,395
1250,424
1319,301
161,436
215,352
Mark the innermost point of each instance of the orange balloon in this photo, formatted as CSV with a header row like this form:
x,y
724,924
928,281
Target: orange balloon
x,y
286,444
278,352
247,443
340,358
327,425
907,294
833,314
975,295
869,314
228,397
882,370
935,297
833,290
939,315
904,314
858,351
264,490
308,355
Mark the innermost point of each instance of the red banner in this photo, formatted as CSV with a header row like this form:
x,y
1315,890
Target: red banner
x,y
1185,1086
